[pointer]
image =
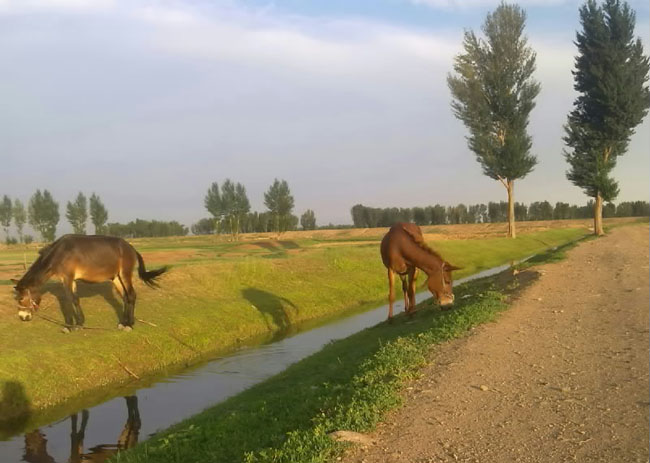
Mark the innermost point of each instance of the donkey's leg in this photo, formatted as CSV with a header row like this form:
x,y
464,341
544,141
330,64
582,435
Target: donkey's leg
x,y
119,286
413,276
391,293
126,276
130,298
78,313
405,291
69,288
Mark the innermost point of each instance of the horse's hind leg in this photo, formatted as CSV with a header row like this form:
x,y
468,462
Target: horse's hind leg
x,y
127,280
119,286
129,298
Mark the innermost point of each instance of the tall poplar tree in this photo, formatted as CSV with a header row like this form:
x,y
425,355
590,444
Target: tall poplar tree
x,y
98,214
43,213
279,201
611,73
493,94
6,212
77,213
20,217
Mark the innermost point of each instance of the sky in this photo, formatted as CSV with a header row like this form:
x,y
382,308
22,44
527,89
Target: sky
x,y
147,102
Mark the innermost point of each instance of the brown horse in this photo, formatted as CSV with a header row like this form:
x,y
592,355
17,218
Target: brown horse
x,y
93,259
404,251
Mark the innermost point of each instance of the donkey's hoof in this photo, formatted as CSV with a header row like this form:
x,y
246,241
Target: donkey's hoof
x,y
65,330
127,329
120,327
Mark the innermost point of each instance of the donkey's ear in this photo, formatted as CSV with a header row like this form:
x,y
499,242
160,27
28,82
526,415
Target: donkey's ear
x,y
450,267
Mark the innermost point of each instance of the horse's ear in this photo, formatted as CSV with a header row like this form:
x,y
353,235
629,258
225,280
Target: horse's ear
x,y
450,267
14,281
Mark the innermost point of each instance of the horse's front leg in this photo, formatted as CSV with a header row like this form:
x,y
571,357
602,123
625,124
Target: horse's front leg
x,y
405,292
391,294
412,280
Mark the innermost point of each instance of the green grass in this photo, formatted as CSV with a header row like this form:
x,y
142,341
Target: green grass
x,y
204,306
349,385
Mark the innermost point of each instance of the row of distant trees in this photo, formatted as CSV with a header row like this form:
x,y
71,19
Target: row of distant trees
x,y
493,92
146,228
230,209
42,214
370,217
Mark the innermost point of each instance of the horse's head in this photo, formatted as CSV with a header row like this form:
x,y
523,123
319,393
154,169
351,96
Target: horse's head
x,y
28,300
440,284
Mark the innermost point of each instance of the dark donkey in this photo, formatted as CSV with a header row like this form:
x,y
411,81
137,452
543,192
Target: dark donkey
x,y
404,251
93,259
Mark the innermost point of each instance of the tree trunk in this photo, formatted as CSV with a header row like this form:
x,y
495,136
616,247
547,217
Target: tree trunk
x,y
598,216
511,209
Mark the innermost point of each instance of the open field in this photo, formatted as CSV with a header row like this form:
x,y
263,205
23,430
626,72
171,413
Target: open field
x,y
218,294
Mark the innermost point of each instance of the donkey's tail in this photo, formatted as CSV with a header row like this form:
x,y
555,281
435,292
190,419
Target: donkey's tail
x,y
149,277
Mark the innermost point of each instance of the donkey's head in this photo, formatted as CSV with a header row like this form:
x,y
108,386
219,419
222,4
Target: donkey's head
x,y
28,300
440,284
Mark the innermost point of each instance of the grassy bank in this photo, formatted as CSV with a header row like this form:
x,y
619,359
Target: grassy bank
x,y
216,296
349,385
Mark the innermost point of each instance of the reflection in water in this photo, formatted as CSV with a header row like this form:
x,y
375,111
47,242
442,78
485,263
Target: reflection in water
x,y
36,443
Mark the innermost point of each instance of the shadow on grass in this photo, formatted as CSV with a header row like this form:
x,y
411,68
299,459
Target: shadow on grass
x,y
85,290
278,309
286,244
15,408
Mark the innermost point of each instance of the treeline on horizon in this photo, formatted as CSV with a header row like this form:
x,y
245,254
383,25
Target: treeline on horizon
x,y
492,212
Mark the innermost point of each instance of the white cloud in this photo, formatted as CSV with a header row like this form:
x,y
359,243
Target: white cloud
x,y
466,4
22,6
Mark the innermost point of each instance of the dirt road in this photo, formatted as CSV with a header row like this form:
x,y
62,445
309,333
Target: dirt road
x,y
561,377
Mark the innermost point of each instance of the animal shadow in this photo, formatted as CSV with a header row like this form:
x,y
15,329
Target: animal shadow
x,y
279,309
104,289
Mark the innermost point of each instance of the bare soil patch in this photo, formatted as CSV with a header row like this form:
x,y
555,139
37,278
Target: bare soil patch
x,y
562,376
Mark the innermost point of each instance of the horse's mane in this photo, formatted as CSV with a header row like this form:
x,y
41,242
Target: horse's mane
x,y
419,240
41,265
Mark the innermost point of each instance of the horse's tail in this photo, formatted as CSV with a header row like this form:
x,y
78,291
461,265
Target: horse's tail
x,y
149,277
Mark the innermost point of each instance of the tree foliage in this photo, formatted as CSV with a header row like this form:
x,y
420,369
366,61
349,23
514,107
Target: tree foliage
x,y
493,94
146,228
43,213
228,205
20,217
98,214
610,76
6,212
308,220
77,213
279,201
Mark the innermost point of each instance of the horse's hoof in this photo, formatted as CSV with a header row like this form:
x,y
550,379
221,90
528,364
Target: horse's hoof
x,y
65,330
127,329
120,326
391,320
